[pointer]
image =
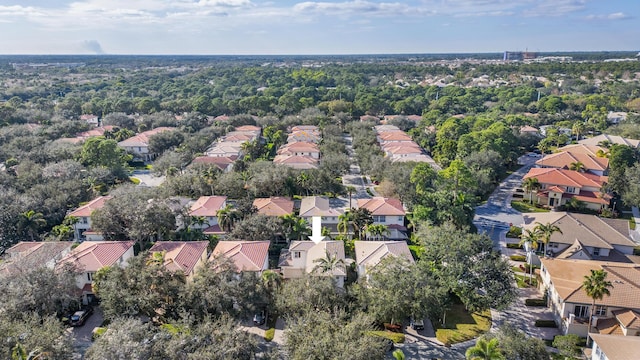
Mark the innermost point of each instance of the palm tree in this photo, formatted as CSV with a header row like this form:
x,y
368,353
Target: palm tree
x,y
484,350
30,222
350,190
377,231
530,185
596,286
301,228
328,263
227,217
344,222
361,217
303,181
577,129
545,231
531,238
577,166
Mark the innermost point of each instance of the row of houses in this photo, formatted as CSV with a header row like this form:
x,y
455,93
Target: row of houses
x,y
301,150
400,147
226,150
385,211
299,259
586,243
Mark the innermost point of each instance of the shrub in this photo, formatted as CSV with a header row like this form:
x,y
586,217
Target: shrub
x,y
397,338
97,332
535,302
514,232
518,258
546,323
513,246
269,334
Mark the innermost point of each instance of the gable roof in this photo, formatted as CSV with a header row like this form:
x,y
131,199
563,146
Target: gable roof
x,y
394,136
617,347
207,206
564,160
316,206
567,277
296,161
299,146
566,177
246,255
589,230
87,209
614,139
91,256
274,206
221,162
382,206
181,255
628,318
31,255
251,128
142,139
370,253
317,251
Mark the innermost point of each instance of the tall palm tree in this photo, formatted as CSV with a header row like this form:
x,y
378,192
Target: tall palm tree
x,y
577,166
301,228
344,222
328,263
531,238
303,181
530,185
577,129
350,190
484,350
596,286
361,217
545,231
227,217
30,222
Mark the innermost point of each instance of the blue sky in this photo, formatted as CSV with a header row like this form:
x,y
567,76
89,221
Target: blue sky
x,y
315,27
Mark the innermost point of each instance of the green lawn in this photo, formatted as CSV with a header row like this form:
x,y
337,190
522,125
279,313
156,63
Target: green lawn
x,y
462,326
524,206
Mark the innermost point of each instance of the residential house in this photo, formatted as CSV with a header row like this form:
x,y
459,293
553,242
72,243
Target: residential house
x,y
91,256
610,139
561,130
138,145
611,347
225,149
299,133
319,206
613,314
303,257
370,253
560,185
90,119
274,206
389,212
586,237
385,128
393,136
82,229
571,155
615,117
26,256
299,162
224,163
249,128
365,118
529,130
245,255
184,256
207,207
300,148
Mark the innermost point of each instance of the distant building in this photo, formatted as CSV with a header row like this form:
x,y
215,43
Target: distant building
x,y
518,55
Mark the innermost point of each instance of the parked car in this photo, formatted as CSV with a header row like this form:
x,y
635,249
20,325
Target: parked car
x,y
417,324
259,318
79,317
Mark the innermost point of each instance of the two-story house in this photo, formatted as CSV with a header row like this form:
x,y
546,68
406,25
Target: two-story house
x,y
91,256
586,237
563,280
303,257
138,145
370,253
25,256
184,256
300,148
274,206
319,206
389,212
560,185
245,255
206,208
612,347
82,229
610,139
571,155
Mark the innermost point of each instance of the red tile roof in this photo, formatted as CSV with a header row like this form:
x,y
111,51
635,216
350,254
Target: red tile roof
x,y
142,139
91,256
87,209
564,177
274,206
181,255
221,162
246,255
566,158
382,206
208,206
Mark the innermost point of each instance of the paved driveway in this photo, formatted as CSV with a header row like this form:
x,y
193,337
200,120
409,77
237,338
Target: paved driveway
x,y
82,334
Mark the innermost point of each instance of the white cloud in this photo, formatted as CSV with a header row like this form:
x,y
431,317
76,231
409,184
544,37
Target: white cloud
x,y
555,7
612,16
357,7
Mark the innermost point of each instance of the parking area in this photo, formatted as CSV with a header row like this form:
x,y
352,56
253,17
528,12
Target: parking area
x,y
82,334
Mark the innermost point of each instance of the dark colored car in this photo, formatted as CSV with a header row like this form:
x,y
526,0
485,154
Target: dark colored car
x,y
417,324
259,318
79,317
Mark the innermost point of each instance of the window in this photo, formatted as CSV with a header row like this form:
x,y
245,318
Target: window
x,y
85,220
90,276
401,218
581,311
571,189
600,311
596,251
296,254
379,218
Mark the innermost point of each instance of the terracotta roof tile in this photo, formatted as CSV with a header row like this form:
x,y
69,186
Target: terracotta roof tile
x,y
181,255
274,206
246,255
91,256
382,206
208,206
87,209
564,177
142,139
370,253
617,347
